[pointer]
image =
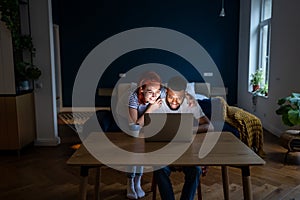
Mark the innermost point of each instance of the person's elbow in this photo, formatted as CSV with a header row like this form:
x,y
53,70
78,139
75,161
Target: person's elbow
x,y
210,127
205,125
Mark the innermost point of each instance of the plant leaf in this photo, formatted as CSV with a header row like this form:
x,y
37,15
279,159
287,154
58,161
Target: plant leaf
x,y
294,117
281,101
283,109
285,120
295,101
296,95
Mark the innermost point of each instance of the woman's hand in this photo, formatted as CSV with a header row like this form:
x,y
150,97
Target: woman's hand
x,y
156,105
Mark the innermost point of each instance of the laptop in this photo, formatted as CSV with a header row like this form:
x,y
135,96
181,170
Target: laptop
x,y
166,127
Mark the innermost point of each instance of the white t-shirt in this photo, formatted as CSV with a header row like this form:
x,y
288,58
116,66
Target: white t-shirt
x,y
184,108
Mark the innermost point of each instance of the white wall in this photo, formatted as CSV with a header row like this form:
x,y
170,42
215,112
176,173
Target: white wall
x,y
7,74
285,67
45,97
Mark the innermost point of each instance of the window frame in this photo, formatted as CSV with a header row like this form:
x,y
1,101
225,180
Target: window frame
x,y
258,44
264,23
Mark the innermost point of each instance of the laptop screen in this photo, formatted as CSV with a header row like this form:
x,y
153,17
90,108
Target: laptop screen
x,y
165,127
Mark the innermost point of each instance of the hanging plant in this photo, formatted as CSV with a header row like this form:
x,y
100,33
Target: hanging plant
x,y
10,15
27,71
24,42
33,72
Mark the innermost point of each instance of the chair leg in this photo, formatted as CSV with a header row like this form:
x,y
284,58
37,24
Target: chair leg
x,y
153,188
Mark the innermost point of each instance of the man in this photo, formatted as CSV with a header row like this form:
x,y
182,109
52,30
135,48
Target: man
x,y
176,102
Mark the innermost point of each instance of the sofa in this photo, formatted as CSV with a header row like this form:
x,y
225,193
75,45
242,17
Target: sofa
x,y
244,125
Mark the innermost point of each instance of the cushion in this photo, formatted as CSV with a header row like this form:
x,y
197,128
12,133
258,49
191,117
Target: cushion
x,y
202,88
104,119
200,96
133,87
123,93
232,129
219,111
212,105
190,88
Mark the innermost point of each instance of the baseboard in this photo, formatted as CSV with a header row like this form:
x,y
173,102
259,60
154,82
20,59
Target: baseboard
x,y
47,142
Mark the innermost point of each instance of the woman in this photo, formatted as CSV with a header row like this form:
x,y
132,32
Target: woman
x,y
145,99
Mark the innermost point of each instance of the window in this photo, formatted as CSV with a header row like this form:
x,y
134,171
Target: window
x,y
260,40
265,33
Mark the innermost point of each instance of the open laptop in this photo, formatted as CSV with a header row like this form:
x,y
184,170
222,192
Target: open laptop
x,y
165,127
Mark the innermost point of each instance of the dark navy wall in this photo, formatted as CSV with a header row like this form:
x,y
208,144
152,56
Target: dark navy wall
x,y
85,24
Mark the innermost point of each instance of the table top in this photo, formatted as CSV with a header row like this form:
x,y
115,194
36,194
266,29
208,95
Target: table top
x,y
228,151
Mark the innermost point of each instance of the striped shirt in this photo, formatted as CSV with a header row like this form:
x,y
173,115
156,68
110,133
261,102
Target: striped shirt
x,y
141,108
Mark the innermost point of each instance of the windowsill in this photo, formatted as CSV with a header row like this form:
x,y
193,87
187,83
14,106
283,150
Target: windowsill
x,y
259,95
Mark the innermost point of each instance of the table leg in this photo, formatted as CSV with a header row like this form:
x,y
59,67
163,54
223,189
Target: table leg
x,y
84,173
247,188
97,183
225,180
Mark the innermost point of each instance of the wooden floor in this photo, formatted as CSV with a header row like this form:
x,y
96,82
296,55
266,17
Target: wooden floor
x,y
41,173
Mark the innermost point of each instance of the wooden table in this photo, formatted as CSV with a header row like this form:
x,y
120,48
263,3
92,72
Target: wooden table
x,y
228,151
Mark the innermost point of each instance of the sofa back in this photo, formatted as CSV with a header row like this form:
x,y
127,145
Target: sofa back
x,y
202,88
198,88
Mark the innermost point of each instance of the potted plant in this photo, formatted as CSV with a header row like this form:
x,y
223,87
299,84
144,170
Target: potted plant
x,y
264,90
289,109
25,71
25,74
256,79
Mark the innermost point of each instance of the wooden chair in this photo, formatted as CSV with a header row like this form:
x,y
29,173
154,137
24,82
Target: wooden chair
x,y
154,187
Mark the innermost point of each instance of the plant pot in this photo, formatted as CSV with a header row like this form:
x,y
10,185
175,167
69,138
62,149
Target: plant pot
x,y
255,87
25,85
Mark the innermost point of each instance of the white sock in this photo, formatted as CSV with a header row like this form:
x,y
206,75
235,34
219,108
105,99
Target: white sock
x,y
137,185
131,194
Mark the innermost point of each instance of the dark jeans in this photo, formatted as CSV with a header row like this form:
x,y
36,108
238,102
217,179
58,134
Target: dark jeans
x,y
191,181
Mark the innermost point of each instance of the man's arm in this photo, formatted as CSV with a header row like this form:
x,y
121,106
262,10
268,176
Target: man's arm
x,y
204,125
